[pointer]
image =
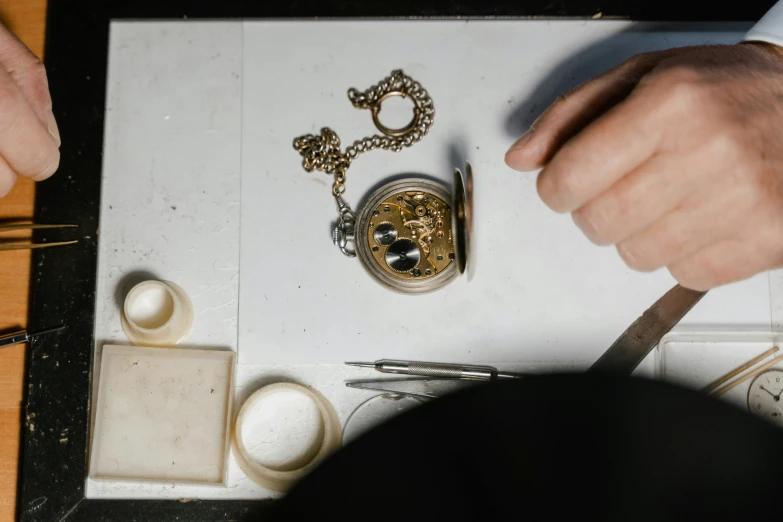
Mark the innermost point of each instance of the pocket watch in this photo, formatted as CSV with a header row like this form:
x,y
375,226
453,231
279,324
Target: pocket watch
x,y
412,235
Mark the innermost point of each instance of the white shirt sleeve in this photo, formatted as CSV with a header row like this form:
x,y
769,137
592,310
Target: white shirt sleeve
x,y
770,28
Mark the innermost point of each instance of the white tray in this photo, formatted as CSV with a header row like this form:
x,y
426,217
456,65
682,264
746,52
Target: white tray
x,y
695,359
163,415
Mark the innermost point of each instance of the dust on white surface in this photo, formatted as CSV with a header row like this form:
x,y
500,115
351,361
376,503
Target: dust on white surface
x,y
170,188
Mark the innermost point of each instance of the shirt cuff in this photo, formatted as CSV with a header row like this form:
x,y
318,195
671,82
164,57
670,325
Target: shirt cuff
x,y
770,28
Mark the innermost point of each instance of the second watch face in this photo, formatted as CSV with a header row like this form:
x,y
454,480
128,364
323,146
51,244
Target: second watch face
x,y
764,396
409,235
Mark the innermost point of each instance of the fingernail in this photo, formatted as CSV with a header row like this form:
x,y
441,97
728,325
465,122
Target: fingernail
x,y
49,170
51,124
517,158
535,122
522,141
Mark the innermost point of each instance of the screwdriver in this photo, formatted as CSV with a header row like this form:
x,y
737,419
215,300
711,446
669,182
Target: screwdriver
x,y
23,336
429,369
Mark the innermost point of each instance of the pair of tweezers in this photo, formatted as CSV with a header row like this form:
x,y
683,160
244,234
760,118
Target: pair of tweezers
x,y
416,387
32,246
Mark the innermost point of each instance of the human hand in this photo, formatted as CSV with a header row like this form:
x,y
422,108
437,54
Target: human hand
x,y
29,139
675,157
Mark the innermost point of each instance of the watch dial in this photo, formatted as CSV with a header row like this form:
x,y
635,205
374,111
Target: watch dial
x,y
764,396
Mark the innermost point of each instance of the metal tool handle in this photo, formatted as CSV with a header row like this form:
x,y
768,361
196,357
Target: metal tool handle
x,y
24,336
452,371
442,370
13,338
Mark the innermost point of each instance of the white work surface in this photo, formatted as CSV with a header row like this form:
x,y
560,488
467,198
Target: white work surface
x,y
201,186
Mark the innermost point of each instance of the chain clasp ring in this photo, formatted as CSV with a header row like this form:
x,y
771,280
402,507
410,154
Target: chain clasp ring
x,y
376,110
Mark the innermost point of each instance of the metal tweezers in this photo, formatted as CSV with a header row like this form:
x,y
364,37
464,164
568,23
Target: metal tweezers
x,y
416,387
31,246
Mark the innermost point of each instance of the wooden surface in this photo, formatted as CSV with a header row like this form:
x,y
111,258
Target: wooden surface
x,y
27,19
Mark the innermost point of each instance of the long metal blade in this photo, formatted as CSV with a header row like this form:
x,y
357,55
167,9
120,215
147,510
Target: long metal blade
x,y
636,342
426,388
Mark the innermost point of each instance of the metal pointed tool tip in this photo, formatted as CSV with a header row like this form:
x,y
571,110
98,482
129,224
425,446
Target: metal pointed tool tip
x,y
361,364
49,330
